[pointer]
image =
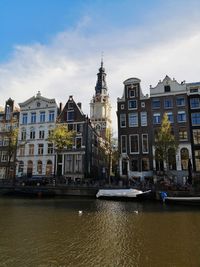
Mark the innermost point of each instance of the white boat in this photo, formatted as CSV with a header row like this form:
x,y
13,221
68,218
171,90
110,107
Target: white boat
x,y
121,193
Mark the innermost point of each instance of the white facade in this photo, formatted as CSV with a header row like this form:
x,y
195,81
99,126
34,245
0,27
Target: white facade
x,y
35,154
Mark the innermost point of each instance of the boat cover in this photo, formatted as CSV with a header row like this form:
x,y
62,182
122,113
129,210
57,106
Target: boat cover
x,y
118,193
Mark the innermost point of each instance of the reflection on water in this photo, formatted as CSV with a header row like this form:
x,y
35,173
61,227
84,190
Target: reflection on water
x,y
52,232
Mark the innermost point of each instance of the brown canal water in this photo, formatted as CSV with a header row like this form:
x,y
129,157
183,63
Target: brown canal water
x,y
52,232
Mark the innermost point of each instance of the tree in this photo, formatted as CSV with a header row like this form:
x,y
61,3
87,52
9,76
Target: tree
x,y
61,138
12,146
165,143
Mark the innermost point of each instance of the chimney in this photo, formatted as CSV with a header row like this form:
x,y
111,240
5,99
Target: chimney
x,y
60,107
79,104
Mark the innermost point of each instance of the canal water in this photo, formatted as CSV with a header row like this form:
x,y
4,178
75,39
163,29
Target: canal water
x,y
52,232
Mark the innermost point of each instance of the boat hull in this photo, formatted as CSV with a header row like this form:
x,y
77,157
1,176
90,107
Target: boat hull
x,y
124,195
183,200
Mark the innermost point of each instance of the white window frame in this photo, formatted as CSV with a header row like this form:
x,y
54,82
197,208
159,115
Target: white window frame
x,y
135,117
120,118
145,152
131,135
125,143
141,117
135,102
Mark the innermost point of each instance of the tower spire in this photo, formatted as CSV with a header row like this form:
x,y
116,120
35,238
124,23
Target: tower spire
x,y
101,86
102,59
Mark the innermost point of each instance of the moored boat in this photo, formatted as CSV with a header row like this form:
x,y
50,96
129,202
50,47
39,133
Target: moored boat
x,y
180,199
122,194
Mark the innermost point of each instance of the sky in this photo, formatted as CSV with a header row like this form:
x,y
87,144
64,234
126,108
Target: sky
x,y
55,46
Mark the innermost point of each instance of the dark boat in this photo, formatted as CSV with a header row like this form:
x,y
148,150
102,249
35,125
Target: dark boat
x,y
189,200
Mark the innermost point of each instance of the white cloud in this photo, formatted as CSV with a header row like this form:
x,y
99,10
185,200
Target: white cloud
x,y
69,63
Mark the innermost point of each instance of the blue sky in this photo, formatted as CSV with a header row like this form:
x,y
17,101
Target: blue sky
x,y
55,46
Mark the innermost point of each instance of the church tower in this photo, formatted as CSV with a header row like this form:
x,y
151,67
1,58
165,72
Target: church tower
x,y
100,107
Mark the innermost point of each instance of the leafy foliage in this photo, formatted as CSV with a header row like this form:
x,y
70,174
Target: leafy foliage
x,y
12,137
165,141
61,137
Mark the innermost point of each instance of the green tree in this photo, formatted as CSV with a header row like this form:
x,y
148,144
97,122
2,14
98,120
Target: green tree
x,y
12,135
61,138
165,143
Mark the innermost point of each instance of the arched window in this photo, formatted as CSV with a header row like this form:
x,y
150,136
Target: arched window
x,y
49,168
184,158
39,167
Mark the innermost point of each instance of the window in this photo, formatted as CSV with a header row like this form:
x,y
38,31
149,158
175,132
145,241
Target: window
x,y
131,93
132,104
51,115
133,119
32,134
156,103
70,115
50,148
6,141
122,120
42,116
8,111
167,88
134,143
170,117
180,101
4,156
78,142
41,134
70,127
145,146
194,103
145,164
168,103
79,128
50,132
31,149
39,167
123,143
24,118
196,136
70,105
134,165
21,150
195,118
78,163
143,118
23,134
183,134
40,149
184,158
69,165
1,141
33,117
197,159
156,118
194,90
181,116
